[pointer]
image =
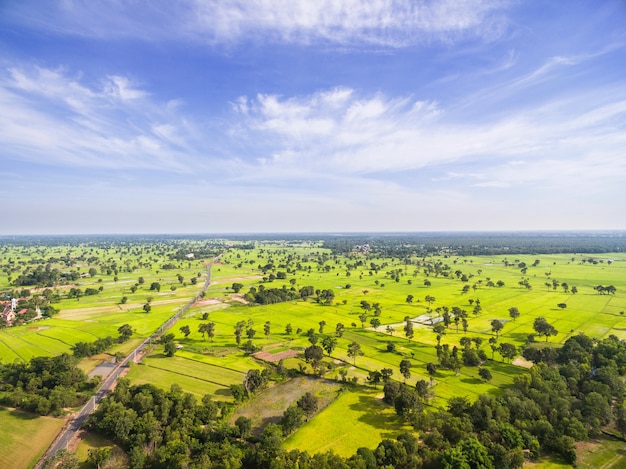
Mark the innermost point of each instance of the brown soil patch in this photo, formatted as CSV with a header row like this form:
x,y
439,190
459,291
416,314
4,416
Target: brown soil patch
x,y
521,361
269,406
207,302
238,297
275,357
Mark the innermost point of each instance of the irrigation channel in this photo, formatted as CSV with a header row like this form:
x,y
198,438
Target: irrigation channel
x,y
74,425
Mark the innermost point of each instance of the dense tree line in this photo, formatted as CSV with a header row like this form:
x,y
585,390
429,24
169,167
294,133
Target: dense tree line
x,y
571,394
472,244
44,385
41,276
266,296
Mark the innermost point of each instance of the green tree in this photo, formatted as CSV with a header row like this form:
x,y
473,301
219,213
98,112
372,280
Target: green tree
x,y
314,355
239,331
155,286
408,328
375,323
186,330
169,348
363,319
431,368
125,331
98,456
485,374
496,326
514,313
244,425
292,419
374,377
354,350
508,351
329,344
543,328
309,404
405,369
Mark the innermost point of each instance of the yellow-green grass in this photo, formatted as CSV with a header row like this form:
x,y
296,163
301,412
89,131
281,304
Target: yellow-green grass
x,y
90,440
233,360
547,462
57,335
353,420
201,363
142,374
601,453
25,437
195,375
88,364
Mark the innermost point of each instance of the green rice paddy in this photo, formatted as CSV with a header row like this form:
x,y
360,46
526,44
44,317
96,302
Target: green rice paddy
x,y
356,417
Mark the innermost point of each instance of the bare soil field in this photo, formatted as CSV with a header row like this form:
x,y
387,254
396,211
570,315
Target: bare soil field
x,y
269,406
276,357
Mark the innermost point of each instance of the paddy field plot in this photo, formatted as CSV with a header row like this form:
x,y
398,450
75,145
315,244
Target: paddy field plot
x,y
25,437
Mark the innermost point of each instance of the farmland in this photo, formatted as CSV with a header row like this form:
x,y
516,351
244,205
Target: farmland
x,y
373,299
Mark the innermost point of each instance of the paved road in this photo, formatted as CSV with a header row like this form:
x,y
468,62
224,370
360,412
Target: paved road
x,y
70,430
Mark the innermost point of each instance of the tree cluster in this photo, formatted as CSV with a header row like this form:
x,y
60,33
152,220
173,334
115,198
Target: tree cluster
x,y
44,385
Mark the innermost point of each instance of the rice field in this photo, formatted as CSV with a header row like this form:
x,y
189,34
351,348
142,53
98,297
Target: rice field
x,y
357,417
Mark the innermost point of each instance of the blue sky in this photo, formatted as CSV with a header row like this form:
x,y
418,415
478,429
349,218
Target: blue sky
x,y
214,116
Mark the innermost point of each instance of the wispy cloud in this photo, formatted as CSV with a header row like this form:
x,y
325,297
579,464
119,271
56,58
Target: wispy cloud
x,y
52,117
372,135
392,23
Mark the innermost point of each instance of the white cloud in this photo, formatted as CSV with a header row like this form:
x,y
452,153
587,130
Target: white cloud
x,y
389,23
373,135
53,118
122,88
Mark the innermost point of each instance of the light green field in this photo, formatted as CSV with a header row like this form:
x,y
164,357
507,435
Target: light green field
x,y
603,453
89,440
353,420
204,366
25,437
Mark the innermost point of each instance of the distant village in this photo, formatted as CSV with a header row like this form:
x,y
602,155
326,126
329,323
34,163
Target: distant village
x,y
13,314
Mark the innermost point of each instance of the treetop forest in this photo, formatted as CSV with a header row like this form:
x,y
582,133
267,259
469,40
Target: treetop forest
x,y
426,350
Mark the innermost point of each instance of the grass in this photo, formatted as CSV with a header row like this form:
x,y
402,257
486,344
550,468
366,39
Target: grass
x,y
355,419
601,453
269,406
196,377
25,437
90,440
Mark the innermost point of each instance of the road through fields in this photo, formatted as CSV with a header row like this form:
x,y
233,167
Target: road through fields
x,y
74,425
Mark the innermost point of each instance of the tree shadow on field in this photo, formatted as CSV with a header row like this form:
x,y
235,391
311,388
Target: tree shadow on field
x,y
21,415
471,381
371,410
518,336
260,425
223,392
